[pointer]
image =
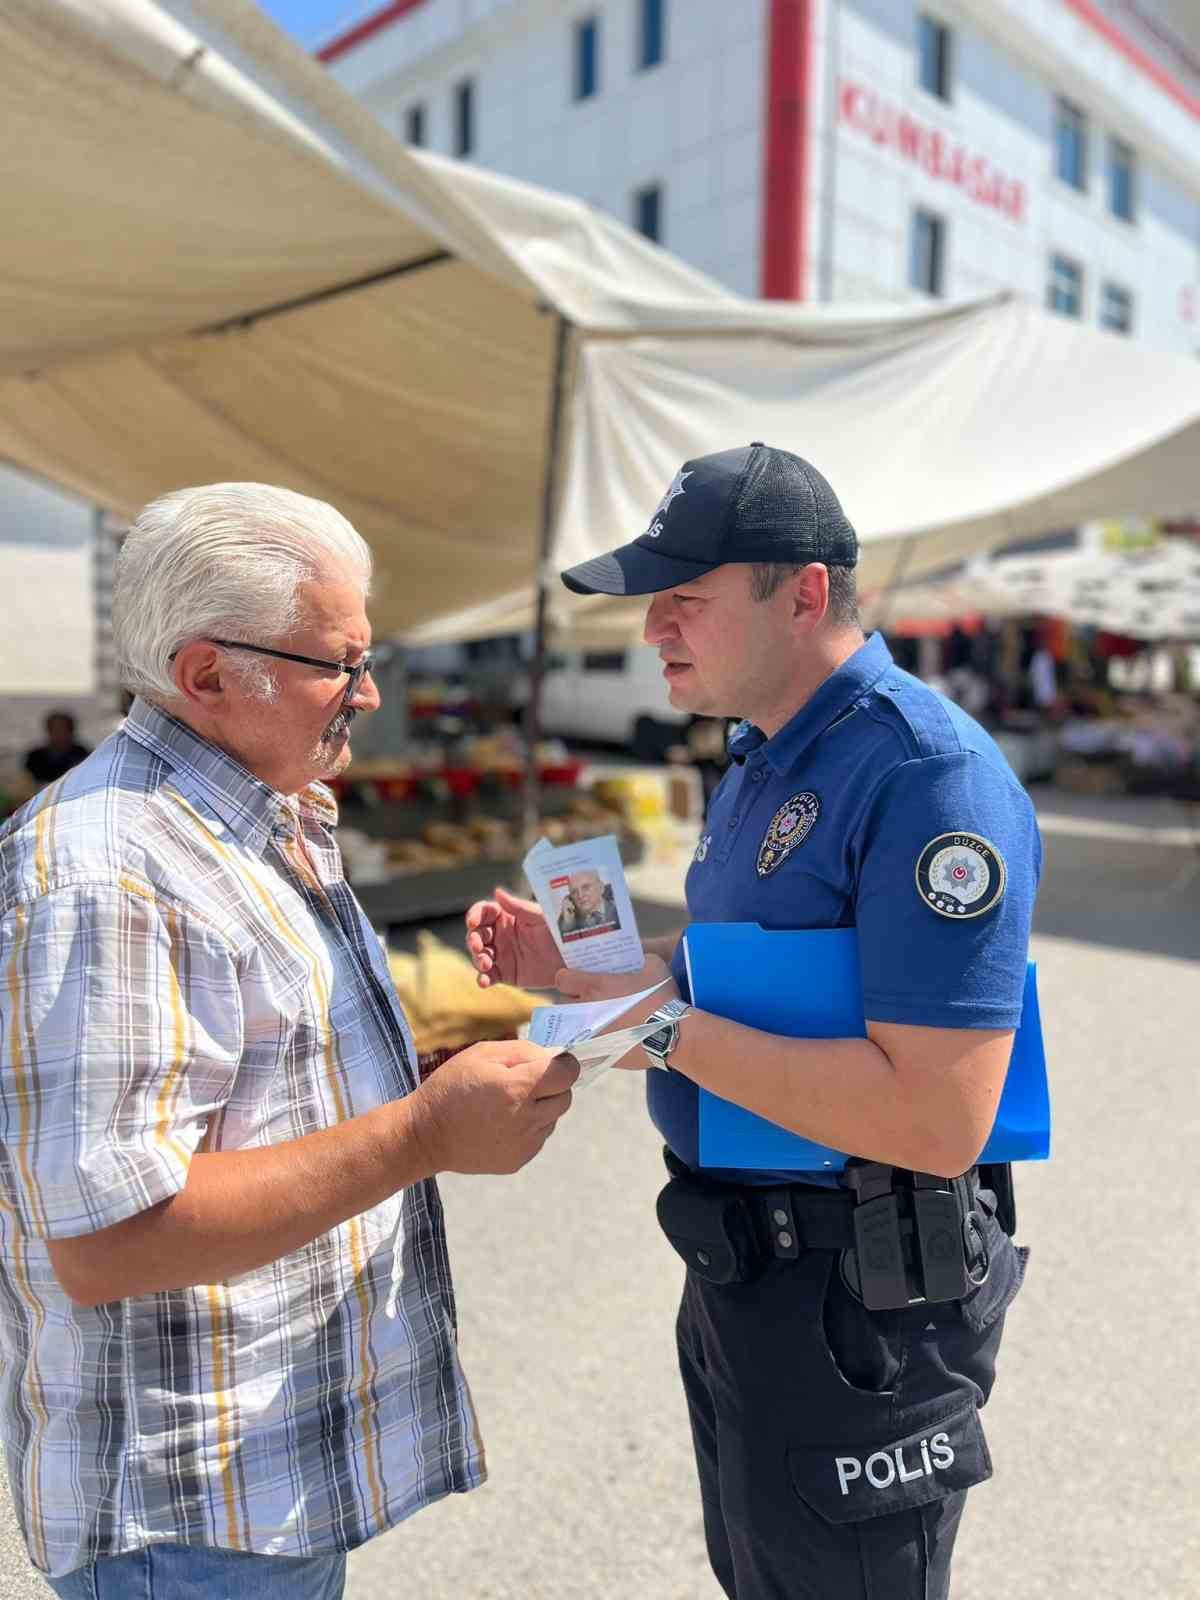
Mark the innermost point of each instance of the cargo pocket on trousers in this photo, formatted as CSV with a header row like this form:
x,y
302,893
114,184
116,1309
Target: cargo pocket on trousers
x,y
862,1481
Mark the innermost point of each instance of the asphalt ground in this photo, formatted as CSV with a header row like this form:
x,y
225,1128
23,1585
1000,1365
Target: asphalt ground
x,y
567,1295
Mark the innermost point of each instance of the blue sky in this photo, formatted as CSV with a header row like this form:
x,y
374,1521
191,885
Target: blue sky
x,y
310,21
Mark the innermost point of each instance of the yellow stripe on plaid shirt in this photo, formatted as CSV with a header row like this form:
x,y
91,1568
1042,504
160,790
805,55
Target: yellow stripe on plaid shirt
x,y
173,979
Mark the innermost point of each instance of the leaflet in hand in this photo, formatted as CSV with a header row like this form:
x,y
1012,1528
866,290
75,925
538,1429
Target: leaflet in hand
x,y
583,895
575,1028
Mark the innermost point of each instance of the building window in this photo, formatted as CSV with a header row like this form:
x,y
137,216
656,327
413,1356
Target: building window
x,y
933,56
1116,308
651,36
414,125
1064,289
464,117
1070,144
587,58
647,211
1122,167
927,252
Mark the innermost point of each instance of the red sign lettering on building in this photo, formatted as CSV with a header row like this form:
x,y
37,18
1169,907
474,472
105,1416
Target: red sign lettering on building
x,y
931,150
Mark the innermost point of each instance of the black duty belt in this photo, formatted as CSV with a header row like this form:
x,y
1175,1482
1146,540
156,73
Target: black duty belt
x,y
907,1237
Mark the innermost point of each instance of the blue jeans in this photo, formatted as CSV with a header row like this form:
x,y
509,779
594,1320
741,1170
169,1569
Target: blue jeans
x,y
198,1572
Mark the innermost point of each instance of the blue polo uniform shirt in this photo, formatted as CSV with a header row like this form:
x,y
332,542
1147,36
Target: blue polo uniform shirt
x,y
880,806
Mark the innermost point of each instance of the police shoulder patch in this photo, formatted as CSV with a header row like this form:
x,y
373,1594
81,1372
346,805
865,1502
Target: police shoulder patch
x,y
790,826
960,875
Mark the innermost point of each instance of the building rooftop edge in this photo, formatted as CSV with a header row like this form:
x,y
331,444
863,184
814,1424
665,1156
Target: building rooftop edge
x,y
1086,10
374,22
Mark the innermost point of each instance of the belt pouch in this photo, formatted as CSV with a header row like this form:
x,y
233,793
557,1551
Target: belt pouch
x,y
940,1218
711,1227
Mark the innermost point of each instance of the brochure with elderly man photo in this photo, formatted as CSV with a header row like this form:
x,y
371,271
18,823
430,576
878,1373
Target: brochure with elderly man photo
x,y
582,892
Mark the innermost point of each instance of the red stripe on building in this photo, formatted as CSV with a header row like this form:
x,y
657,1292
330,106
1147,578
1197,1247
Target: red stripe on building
x,y
1088,12
368,26
788,150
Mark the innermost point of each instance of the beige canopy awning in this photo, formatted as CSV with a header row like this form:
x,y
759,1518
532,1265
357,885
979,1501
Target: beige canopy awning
x,y
218,265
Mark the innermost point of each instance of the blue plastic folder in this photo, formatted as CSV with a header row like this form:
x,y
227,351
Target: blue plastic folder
x,y
807,984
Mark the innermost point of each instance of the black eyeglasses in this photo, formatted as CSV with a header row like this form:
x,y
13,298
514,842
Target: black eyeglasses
x,y
357,672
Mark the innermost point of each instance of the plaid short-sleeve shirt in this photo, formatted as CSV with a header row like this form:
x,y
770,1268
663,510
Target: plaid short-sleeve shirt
x,y
181,959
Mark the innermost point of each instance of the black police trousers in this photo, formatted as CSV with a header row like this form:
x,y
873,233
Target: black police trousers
x,y
835,1445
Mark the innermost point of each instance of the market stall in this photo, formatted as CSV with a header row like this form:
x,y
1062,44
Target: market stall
x,y
424,837
1087,659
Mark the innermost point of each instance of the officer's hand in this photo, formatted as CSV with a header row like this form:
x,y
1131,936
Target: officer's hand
x,y
492,1107
509,942
609,985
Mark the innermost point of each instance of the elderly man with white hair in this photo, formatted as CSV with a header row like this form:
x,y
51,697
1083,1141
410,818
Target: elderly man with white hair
x,y
227,1336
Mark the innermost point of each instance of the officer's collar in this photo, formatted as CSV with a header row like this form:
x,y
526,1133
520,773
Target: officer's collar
x,y
844,686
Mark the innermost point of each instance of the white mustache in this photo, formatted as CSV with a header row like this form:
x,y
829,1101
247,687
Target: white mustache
x,y
343,720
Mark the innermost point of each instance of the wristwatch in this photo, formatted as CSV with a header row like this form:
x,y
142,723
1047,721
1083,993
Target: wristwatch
x,y
658,1045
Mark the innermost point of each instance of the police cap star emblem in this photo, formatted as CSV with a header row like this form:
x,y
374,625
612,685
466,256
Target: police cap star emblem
x,y
664,505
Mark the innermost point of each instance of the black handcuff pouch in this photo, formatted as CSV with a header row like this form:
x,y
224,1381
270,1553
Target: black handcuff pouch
x,y
712,1228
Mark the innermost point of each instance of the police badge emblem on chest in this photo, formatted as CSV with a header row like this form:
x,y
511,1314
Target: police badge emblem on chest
x,y
790,826
960,875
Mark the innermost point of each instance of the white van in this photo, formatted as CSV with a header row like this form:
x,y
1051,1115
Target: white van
x,y
617,696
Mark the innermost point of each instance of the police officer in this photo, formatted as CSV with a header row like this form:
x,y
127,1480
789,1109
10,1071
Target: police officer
x,y
835,1350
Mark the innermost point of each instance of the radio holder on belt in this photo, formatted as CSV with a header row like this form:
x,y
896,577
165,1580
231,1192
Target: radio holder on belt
x,y
915,1242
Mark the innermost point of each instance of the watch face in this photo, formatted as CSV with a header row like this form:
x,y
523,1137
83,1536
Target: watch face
x,y
658,1043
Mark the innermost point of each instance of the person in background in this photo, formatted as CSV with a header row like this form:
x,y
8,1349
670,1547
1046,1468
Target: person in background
x,y
227,1327
46,763
835,1351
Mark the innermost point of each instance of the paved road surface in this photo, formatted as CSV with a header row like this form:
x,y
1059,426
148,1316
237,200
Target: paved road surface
x,y
567,1295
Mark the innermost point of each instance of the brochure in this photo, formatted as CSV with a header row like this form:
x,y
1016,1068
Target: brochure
x,y
573,1028
583,895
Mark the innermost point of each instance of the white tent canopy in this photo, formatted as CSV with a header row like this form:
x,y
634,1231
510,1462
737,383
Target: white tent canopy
x,y
220,266
1147,594
1151,593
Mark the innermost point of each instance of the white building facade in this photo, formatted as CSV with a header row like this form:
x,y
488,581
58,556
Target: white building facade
x,y
840,150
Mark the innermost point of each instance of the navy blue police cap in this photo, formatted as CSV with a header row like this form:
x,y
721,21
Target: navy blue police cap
x,y
755,503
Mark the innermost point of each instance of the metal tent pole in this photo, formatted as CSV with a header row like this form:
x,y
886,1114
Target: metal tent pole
x,y
884,603
532,788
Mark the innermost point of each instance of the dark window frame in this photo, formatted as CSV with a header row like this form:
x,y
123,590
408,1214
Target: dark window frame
x,y
414,125
927,262
647,200
1054,284
652,34
1071,134
1121,157
1116,294
464,118
586,57
935,48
